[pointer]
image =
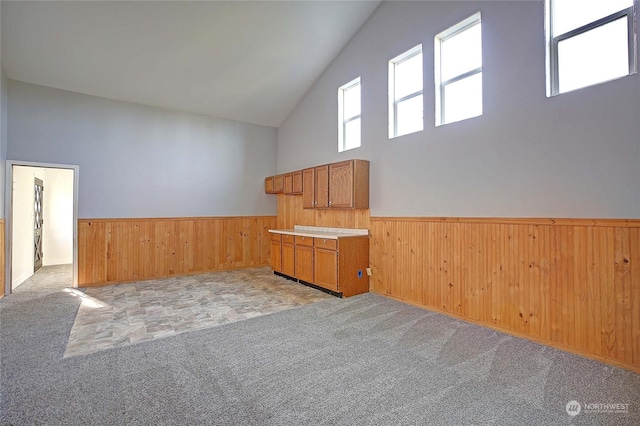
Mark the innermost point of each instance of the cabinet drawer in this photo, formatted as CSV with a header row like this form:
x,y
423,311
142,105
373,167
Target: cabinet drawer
x,y
304,241
275,237
325,243
286,238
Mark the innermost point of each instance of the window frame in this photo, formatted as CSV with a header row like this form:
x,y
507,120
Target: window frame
x,y
552,42
342,121
439,39
393,101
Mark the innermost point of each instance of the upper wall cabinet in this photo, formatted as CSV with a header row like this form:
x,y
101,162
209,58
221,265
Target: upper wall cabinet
x,y
288,183
274,184
343,185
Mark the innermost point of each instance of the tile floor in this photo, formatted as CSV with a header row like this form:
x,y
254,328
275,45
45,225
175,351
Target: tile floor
x,y
124,314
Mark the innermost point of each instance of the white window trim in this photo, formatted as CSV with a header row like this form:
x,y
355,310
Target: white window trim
x,y
553,76
342,121
475,19
393,102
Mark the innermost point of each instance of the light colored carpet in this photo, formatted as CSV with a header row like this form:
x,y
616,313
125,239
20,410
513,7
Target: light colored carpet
x,y
48,277
362,360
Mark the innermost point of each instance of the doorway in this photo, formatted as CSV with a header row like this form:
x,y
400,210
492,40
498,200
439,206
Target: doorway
x,y
41,206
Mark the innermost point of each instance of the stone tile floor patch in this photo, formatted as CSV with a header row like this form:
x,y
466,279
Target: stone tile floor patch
x,y
125,314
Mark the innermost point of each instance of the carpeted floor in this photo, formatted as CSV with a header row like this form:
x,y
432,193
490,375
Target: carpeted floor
x,y
48,277
362,360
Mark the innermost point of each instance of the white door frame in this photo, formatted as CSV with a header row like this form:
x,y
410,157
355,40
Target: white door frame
x,y
8,200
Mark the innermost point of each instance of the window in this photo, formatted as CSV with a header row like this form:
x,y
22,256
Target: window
x,y
349,115
458,71
405,93
588,42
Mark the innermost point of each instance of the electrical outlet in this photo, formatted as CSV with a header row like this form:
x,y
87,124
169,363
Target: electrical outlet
x,y
369,271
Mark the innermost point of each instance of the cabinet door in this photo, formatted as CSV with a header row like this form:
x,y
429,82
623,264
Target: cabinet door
x,y
278,184
276,256
288,183
322,187
297,182
308,188
268,185
288,260
304,263
325,268
341,185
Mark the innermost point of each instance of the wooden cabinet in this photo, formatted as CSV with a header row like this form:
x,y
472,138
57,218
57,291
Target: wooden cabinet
x,y
274,184
309,192
304,258
276,253
288,183
288,256
297,184
268,185
278,184
316,188
325,268
338,265
343,185
349,184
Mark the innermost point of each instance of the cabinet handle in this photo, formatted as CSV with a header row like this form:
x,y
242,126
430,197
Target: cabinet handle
x,y
329,202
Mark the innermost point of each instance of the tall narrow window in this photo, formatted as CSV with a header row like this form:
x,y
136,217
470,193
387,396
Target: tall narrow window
x,y
458,71
588,42
349,115
405,93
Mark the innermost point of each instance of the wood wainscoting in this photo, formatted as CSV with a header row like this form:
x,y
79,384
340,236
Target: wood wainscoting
x,y
2,254
569,283
115,250
290,213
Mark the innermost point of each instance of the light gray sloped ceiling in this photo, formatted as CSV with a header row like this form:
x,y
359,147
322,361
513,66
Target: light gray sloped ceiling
x,y
245,61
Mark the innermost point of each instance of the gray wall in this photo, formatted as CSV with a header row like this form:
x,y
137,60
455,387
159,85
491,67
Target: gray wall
x,y
141,161
3,136
574,155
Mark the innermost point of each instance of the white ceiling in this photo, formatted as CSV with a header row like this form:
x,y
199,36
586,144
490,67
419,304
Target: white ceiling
x,y
245,61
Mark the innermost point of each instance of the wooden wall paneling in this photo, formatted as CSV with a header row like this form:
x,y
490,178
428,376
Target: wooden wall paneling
x,y
634,260
544,294
622,282
580,270
114,250
607,291
570,284
2,256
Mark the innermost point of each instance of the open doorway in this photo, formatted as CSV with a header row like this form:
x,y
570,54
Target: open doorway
x,y
42,242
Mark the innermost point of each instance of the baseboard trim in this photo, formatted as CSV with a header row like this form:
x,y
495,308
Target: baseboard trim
x,y
19,280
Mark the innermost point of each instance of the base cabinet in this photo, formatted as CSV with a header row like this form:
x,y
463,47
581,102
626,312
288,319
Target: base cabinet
x,y
304,258
276,253
325,269
288,256
338,265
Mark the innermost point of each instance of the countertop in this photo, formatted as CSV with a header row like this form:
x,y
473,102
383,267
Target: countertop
x,y
320,232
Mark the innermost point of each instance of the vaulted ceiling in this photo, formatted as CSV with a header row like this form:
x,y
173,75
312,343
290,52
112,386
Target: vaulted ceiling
x,y
245,61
